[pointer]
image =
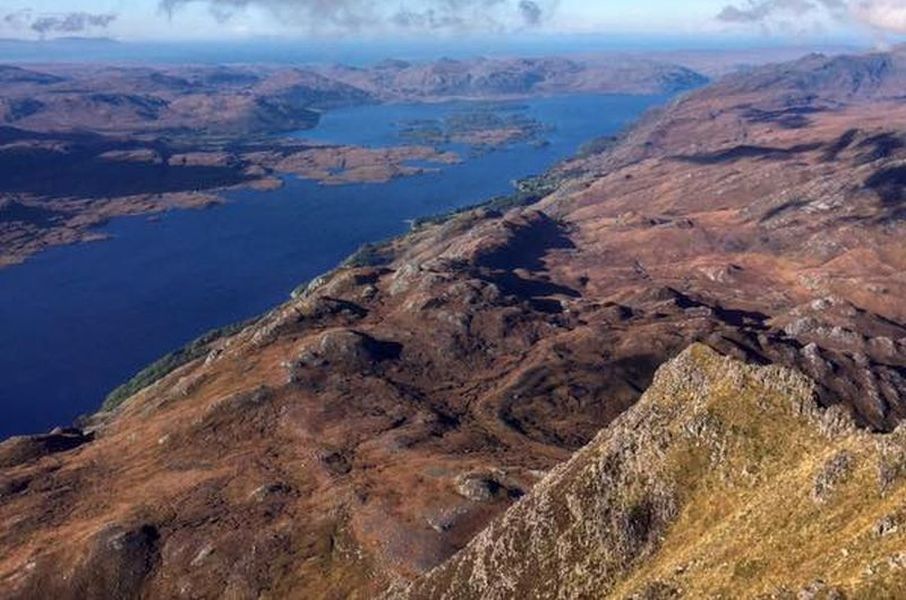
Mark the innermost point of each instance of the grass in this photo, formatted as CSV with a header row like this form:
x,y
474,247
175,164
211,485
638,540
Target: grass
x,y
169,363
370,255
750,521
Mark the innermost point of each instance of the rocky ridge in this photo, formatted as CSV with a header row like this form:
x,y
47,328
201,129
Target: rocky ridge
x,y
240,101
483,78
724,478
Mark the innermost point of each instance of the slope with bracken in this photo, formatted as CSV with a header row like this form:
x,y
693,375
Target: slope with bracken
x,y
365,431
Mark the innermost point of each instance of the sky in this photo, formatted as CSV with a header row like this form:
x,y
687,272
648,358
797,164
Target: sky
x,y
142,20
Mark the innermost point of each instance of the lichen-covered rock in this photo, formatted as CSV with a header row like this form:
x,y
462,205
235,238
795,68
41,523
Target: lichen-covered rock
x,y
118,561
345,348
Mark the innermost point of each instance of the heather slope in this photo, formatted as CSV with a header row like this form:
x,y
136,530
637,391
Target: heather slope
x,y
723,479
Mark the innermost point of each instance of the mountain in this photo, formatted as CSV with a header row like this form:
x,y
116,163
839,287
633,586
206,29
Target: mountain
x,y
358,436
724,478
12,75
221,101
493,78
835,79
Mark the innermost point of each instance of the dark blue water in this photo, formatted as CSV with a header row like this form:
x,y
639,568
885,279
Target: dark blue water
x,y
76,321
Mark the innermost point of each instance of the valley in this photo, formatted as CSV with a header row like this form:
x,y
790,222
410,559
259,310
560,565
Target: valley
x,y
74,331
461,411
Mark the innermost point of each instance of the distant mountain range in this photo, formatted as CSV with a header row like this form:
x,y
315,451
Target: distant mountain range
x,y
225,100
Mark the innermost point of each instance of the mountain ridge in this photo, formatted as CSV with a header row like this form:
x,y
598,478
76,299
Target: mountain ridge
x,y
675,499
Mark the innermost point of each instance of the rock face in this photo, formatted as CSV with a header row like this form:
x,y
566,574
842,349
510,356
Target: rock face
x,y
722,477
371,427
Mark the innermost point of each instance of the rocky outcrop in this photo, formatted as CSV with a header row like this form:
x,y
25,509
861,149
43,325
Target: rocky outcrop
x,y
24,449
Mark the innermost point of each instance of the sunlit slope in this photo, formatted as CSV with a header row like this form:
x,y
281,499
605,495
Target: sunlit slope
x,y
725,480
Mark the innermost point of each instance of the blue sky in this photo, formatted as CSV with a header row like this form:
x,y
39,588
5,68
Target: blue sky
x,y
219,19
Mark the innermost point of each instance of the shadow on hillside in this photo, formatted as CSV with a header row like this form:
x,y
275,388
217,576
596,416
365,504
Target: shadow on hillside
x,y
81,173
746,151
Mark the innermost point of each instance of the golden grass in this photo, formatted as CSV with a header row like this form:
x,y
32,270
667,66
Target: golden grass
x,y
750,525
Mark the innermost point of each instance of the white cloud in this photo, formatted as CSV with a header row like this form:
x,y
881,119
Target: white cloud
x,y
879,15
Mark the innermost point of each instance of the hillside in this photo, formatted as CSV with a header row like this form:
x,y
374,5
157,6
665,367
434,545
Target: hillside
x,y
723,480
214,101
370,428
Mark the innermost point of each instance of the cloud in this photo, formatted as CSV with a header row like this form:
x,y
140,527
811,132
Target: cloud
x,y
344,14
71,22
411,15
885,15
19,19
64,23
880,15
757,12
531,12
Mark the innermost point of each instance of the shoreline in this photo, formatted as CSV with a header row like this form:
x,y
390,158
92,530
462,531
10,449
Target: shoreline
x,y
262,165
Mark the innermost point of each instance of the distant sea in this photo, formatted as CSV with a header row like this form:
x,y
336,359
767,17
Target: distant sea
x,y
283,51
